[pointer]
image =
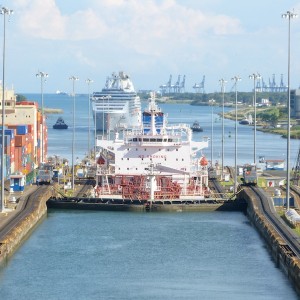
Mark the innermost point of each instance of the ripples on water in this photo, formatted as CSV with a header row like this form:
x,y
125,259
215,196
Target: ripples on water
x,y
268,145
115,255
110,255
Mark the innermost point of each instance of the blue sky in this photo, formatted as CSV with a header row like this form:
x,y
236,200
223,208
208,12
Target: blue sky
x,y
149,40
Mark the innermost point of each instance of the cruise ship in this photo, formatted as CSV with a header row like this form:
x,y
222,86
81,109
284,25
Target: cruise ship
x,y
152,162
117,105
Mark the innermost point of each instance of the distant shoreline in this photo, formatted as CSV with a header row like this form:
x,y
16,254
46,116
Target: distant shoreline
x,y
53,111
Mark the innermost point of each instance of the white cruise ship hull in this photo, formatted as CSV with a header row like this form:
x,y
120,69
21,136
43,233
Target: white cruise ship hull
x,y
117,106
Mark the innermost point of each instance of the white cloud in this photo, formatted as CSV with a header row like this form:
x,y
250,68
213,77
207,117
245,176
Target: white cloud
x,y
127,19
43,19
84,60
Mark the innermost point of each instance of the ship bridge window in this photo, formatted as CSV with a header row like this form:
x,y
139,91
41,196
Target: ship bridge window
x,y
134,139
146,140
152,140
165,140
170,140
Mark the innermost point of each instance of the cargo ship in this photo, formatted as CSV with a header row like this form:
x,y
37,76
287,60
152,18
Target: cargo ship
x,y
117,105
153,162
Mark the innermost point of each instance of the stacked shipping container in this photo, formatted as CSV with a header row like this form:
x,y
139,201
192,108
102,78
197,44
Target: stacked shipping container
x,y
22,143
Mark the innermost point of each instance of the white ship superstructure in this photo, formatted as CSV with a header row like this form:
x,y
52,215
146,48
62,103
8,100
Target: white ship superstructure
x,y
117,105
152,162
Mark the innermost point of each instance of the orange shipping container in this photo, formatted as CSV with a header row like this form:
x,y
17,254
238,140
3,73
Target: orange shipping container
x,y
18,158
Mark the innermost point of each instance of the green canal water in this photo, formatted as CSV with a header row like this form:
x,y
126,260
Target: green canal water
x,y
117,255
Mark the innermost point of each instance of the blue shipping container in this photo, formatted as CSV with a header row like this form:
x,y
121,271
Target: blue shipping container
x,y
22,129
10,132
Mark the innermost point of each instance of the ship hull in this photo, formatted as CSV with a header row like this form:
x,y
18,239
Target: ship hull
x,y
117,105
106,122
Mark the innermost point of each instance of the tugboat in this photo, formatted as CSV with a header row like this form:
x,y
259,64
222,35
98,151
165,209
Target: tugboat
x,y
60,124
196,127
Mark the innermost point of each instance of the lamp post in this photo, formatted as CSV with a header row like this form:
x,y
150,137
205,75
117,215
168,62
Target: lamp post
x,y
212,134
223,82
288,15
89,81
95,123
73,78
4,11
235,79
254,76
103,116
42,75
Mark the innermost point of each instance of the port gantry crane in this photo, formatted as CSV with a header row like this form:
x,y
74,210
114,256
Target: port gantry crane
x,y
199,87
182,85
169,88
177,85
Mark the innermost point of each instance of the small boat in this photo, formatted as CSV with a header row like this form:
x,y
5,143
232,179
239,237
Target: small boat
x,y
247,120
60,124
196,127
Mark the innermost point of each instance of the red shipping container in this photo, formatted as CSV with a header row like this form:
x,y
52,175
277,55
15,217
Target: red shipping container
x,y
30,128
20,140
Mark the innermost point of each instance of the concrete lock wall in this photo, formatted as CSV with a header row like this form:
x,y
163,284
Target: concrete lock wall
x,y
19,233
290,265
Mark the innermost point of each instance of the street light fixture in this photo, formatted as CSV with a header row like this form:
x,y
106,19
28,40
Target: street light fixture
x,y
89,81
42,75
4,11
73,78
288,15
235,79
254,76
223,82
